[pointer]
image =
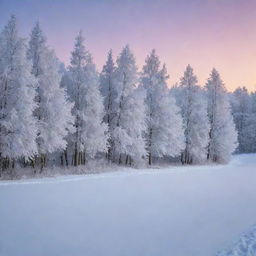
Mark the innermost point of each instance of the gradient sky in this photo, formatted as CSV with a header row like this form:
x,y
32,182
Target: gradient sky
x,y
202,33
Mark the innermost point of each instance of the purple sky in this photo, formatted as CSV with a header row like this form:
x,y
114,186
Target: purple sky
x,y
203,33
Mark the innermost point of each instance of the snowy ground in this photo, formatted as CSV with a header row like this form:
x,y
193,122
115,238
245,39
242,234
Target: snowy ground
x,y
176,211
245,246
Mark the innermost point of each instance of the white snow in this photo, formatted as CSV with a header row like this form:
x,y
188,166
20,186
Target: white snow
x,y
245,246
179,211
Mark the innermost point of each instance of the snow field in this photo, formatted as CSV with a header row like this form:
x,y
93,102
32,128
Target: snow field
x,y
178,211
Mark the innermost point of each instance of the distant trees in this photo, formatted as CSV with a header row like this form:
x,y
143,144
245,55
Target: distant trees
x,y
244,113
128,117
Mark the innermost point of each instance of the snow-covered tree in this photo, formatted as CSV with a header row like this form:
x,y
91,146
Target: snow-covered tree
x,y
108,90
91,134
165,134
127,135
223,135
191,100
53,113
17,92
251,129
244,112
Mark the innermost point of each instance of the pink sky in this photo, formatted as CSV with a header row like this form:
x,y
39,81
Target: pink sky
x,y
202,33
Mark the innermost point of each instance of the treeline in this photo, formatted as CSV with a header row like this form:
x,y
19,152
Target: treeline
x,y
75,114
243,106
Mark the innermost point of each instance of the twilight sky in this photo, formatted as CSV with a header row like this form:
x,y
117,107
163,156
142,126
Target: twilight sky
x,y
203,33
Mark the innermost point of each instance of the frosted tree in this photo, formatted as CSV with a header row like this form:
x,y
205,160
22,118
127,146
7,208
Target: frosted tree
x,y
108,90
128,139
193,106
90,135
53,113
223,135
252,124
242,113
17,92
64,83
164,134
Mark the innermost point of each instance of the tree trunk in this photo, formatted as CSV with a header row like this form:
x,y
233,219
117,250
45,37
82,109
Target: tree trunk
x,y
149,147
1,165
61,159
150,158
84,156
130,162
76,156
80,161
42,163
66,156
127,159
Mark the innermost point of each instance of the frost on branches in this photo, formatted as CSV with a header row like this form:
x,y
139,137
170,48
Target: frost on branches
x,y
51,115
90,136
109,93
53,112
18,127
244,113
164,134
192,102
223,135
129,126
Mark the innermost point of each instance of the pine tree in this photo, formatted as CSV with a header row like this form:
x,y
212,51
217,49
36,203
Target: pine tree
x,y
242,112
91,134
223,135
17,92
53,113
128,139
164,134
251,128
107,87
191,100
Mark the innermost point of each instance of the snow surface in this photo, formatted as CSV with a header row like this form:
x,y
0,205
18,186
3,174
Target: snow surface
x,y
179,211
245,246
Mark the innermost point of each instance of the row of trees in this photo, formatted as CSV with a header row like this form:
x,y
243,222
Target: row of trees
x,y
76,114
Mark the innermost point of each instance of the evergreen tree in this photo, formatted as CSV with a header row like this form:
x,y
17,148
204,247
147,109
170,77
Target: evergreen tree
x,y
91,135
107,87
130,113
251,128
242,112
53,113
164,135
223,135
193,106
17,92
